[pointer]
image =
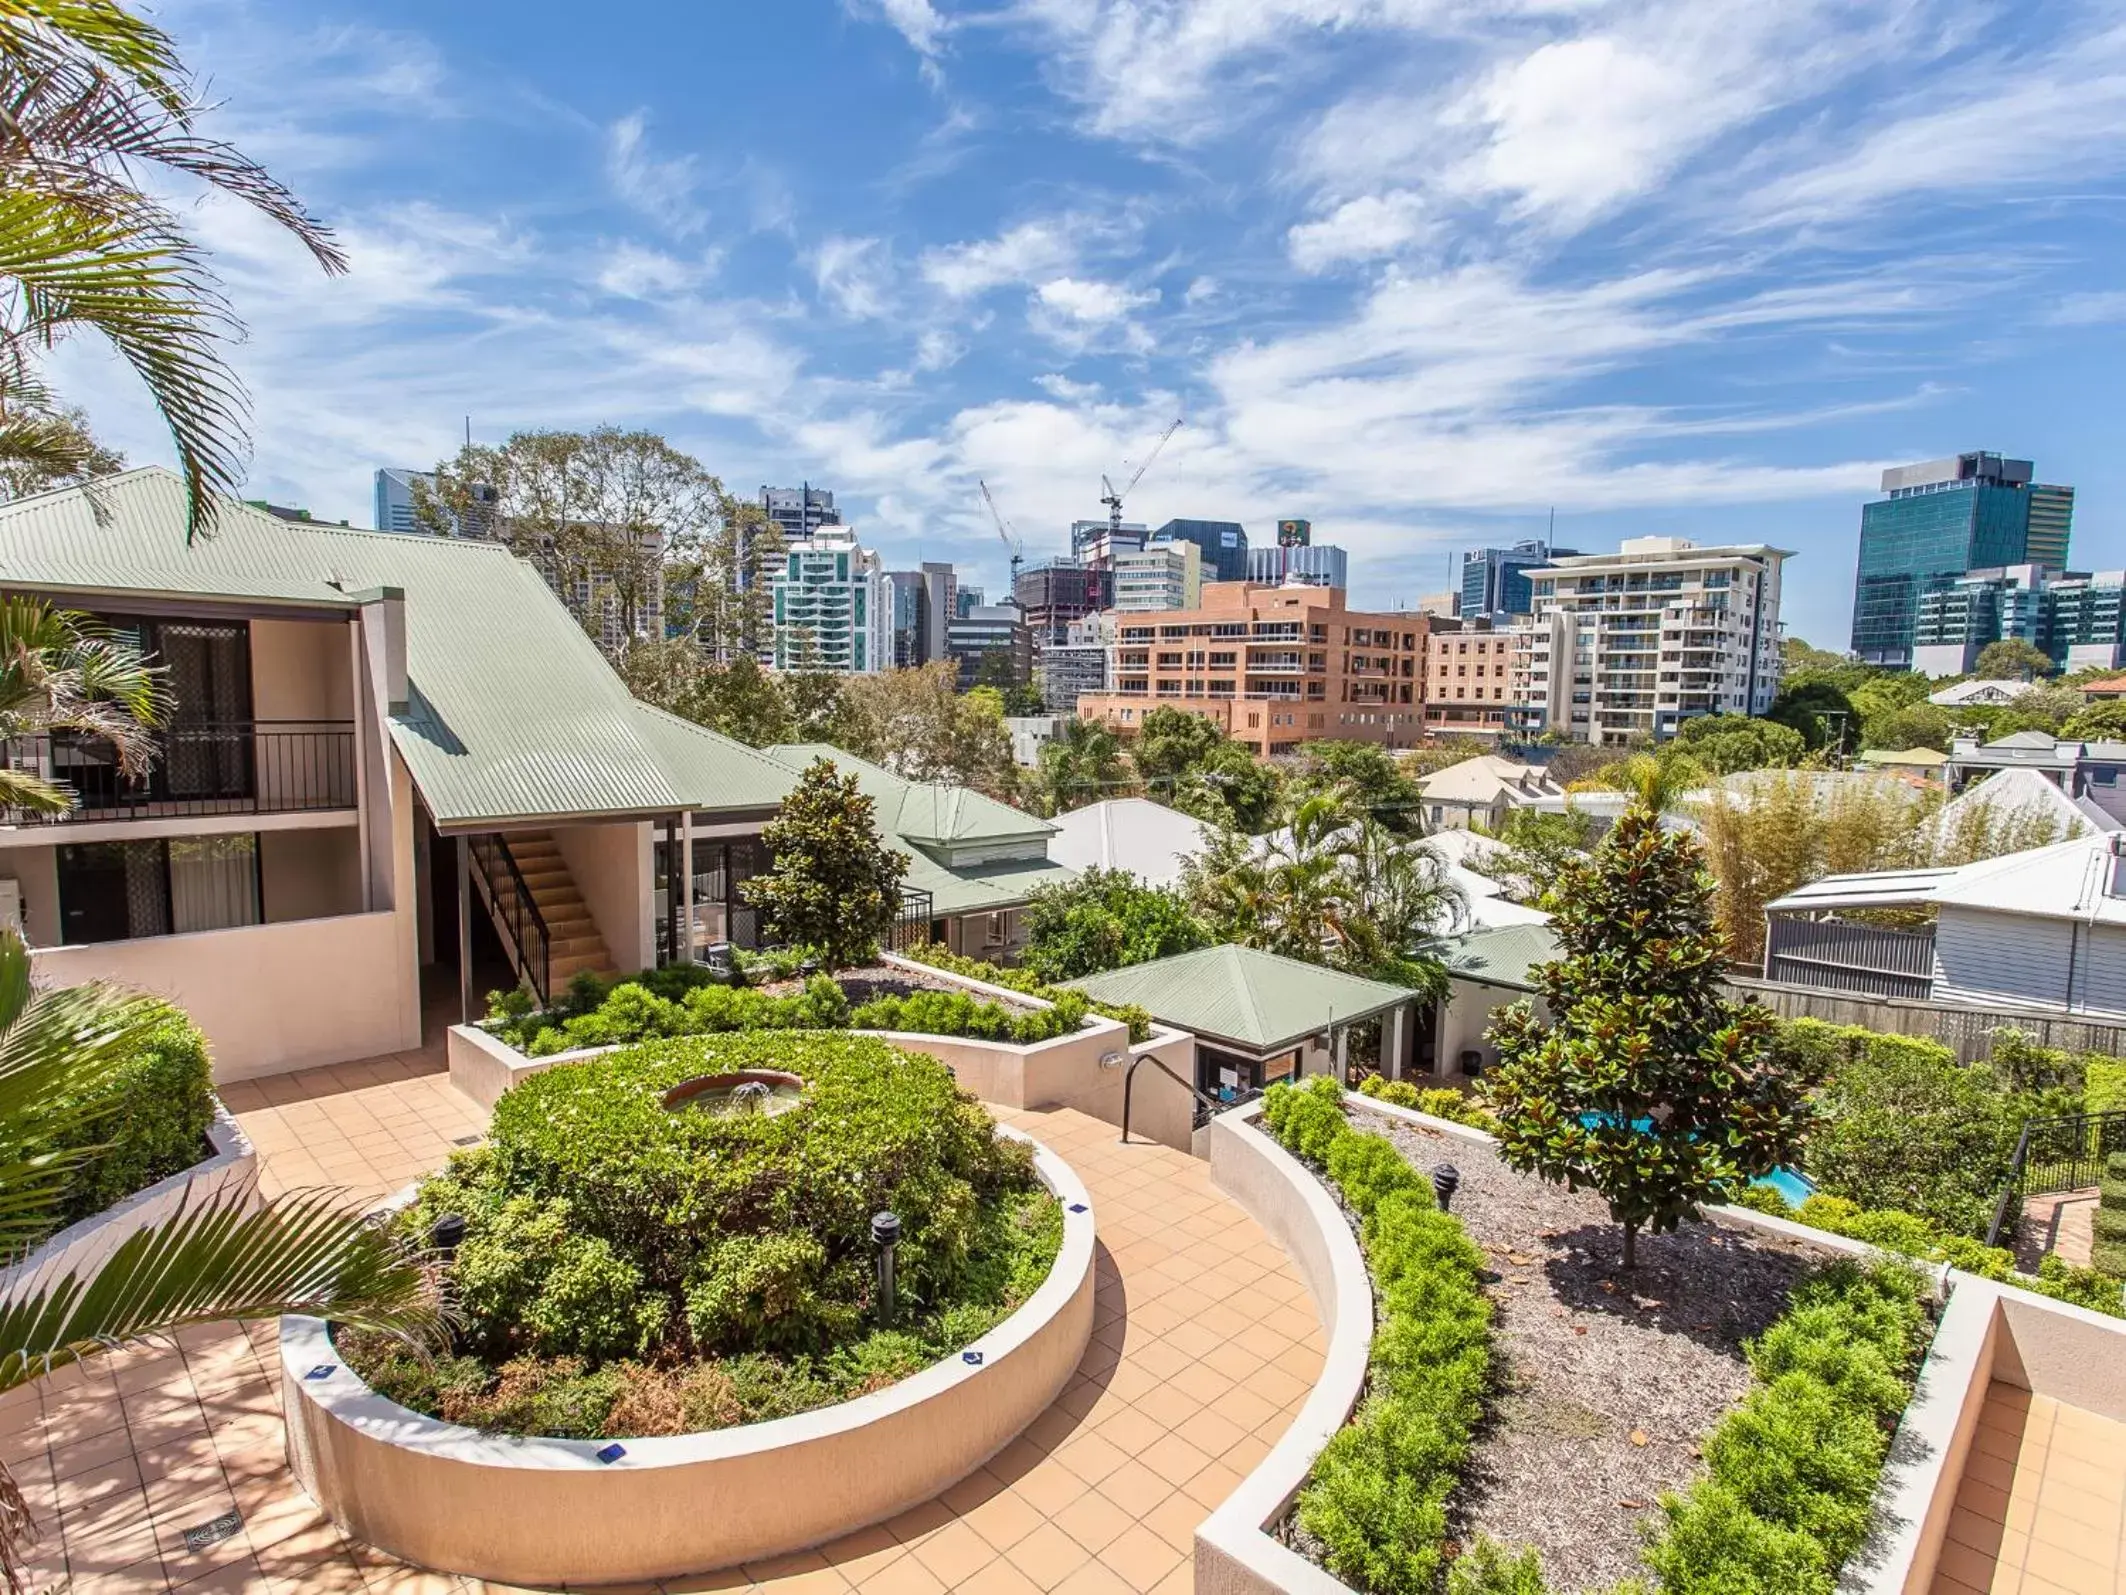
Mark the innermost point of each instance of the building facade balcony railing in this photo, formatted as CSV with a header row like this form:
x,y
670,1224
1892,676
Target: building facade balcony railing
x,y
249,767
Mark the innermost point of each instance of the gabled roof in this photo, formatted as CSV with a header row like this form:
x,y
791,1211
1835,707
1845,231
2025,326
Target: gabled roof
x,y
1902,758
1505,956
1482,778
2068,880
2023,797
1260,1001
1147,839
922,811
1959,693
513,713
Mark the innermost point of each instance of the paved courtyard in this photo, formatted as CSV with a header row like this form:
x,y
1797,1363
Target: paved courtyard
x,y
1204,1346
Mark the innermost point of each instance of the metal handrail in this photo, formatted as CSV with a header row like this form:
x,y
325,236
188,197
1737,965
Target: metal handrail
x,y
525,927
207,768
1209,1104
2011,1187
2064,1153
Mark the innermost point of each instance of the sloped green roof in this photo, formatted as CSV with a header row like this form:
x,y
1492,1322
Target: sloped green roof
x,y
1504,956
922,811
1262,1001
513,712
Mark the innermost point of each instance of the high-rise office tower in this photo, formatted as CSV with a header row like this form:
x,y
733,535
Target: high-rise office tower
x,y
1224,545
1495,580
1941,520
1055,592
394,498
799,511
1317,565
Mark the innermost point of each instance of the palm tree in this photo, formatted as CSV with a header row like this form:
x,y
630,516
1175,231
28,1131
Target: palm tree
x,y
60,672
1083,764
90,94
223,1259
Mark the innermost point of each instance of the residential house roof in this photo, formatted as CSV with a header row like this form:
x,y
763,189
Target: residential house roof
x,y
513,714
1481,780
1962,694
2077,880
1504,956
2023,798
2105,687
1146,839
1261,1002
1925,759
938,824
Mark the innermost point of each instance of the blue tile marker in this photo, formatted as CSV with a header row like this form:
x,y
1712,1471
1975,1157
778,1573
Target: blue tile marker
x,y
612,1453
1078,1207
973,1359
324,1370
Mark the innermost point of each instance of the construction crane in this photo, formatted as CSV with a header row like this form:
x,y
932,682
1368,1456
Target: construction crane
x,y
1113,501
1010,538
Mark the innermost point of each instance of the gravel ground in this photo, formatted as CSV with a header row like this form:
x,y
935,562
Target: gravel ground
x,y
1607,1384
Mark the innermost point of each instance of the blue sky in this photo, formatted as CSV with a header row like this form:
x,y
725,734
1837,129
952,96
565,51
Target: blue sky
x,y
1417,269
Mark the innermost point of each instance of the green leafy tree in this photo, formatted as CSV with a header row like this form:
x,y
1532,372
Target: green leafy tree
x,y
101,115
1818,709
1081,764
2098,722
1023,700
44,447
920,725
1172,742
1726,743
306,1253
1539,845
1373,777
1919,725
2013,659
834,885
1105,919
997,668
1230,787
1645,1084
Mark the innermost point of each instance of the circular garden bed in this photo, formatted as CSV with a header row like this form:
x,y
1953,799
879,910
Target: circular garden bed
x,y
667,1294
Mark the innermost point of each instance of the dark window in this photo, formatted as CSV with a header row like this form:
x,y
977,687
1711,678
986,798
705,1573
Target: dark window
x,y
118,891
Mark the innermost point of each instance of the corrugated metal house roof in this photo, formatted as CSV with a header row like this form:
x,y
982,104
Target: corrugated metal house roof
x,y
513,713
1263,1001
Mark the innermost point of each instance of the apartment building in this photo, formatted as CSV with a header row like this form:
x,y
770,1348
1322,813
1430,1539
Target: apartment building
x,y
1625,647
833,606
1159,576
1070,669
1468,679
1273,667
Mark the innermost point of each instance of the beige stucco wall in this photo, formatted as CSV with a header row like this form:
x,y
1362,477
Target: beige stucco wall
x,y
310,874
36,871
269,998
301,670
547,1512
1467,1017
612,869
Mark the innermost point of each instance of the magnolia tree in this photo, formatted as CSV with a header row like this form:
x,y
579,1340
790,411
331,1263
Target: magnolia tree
x,y
1644,1083
834,885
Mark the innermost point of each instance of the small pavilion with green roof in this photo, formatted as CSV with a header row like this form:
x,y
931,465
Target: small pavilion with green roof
x,y
1259,1017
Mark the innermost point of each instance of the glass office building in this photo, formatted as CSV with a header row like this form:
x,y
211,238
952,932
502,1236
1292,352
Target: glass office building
x,y
1941,520
1224,545
1495,580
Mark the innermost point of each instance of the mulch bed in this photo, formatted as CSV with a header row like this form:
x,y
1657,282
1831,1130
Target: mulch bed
x,y
1608,1382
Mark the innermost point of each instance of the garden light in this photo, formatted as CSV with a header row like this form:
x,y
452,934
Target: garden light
x,y
885,1235
1446,1180
447,1232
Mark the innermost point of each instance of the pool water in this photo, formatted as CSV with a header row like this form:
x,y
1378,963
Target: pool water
x,y
1793,1186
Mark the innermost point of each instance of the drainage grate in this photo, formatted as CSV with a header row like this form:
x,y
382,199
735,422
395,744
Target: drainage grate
x,y
213,1531
465,1140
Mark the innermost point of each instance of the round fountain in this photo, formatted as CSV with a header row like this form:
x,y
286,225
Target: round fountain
x,y
761,1093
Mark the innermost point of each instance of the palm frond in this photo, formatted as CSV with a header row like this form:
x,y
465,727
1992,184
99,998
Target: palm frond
x,y
36,34
33,794
223,1259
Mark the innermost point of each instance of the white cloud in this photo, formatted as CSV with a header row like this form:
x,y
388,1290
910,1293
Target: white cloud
x,y
1024,253
917,21
1368,228
1092,304
2089,309
937,349
662,188
1058,386
632,271
1201,291
854,275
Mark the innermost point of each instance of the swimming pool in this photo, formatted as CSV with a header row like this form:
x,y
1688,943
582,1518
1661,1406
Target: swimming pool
x,y
1793,1186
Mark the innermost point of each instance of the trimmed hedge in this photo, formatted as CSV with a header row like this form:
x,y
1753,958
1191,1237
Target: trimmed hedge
x,y
1377,1498
1790,1475
1021,980
629,1268
149,1114
2109,1251
1442,1102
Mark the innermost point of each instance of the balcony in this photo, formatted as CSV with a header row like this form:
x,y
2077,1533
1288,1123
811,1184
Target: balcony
x,y
249,767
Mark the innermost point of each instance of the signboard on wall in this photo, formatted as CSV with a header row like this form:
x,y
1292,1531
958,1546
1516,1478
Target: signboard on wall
x,y
1294,534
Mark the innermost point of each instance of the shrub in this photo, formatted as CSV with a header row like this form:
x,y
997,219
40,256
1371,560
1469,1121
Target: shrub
x,y
605,1231
1376,1500
2104,1084
1790,1474
1023,980
1441,1102
147,1116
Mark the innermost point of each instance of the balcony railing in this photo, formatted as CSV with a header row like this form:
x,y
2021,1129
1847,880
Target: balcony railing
x,y
249,767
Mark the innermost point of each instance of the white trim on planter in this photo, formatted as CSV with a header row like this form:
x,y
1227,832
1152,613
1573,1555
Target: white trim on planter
x,y
1234,1554
81,1248
528,1510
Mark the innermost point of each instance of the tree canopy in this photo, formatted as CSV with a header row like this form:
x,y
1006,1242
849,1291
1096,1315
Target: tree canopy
x,y
2013,659
1726,743
1105,919
834,885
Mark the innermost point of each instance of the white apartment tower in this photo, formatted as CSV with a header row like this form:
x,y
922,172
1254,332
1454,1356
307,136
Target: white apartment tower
x,y
1625,647
1161,577
833,606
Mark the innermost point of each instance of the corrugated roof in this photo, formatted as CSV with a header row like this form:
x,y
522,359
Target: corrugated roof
x,y
1262,1001
716,771
1147,839
513,713
1506,956
922,811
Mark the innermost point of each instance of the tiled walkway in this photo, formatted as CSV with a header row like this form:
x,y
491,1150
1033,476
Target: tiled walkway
x,y
2042,1506
1204,1346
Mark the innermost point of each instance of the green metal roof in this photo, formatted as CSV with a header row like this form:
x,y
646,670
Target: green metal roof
x,y
1262,1001
1504,956
513,712
923,811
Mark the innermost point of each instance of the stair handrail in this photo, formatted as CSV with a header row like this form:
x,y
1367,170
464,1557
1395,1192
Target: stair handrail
x,y
522,925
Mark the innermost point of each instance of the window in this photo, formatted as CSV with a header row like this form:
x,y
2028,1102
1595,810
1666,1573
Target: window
x,y
118,891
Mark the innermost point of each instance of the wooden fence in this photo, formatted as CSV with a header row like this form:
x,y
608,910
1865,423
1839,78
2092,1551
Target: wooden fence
x,y
1966,1031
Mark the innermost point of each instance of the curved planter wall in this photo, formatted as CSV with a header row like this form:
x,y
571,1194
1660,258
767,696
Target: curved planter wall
x,y
538,1511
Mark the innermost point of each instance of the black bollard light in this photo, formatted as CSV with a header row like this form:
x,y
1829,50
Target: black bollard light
x,y
447,1232
885,1235
1446,1180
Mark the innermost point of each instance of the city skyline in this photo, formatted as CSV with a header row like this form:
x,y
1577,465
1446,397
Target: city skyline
x,y
1683,271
